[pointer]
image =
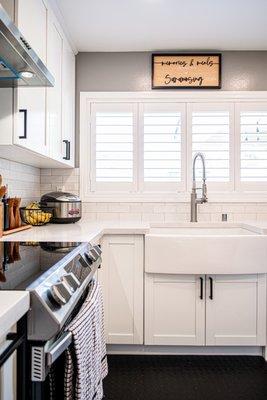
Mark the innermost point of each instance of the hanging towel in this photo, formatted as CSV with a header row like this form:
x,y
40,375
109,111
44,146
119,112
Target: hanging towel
x,y
86,362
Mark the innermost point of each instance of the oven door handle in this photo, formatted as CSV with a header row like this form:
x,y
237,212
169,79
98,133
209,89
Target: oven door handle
x,y
58,348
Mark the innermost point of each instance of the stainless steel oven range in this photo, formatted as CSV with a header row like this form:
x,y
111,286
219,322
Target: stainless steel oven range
x,y
57,275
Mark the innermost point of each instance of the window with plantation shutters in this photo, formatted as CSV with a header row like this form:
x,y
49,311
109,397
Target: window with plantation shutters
x,y
141,147
253,143
163,126
211,134
113,146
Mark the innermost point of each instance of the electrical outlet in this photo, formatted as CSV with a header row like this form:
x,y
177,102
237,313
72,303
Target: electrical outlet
x,y
60,188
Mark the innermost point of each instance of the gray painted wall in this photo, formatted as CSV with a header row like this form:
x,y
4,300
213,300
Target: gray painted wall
x,y
241,70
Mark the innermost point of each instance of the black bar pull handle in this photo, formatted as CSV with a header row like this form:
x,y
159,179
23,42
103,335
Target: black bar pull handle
x,y
201,288
25,123
67,156
211,288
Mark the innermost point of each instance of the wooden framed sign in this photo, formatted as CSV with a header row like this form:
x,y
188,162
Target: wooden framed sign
x,y
186,70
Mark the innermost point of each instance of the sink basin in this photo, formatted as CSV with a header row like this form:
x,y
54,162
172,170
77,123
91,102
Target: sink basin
x,y
199,248
188,230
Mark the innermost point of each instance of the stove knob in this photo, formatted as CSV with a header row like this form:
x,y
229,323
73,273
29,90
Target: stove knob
x,y
94,253
61,293
90,258
71,280
85,261
98,250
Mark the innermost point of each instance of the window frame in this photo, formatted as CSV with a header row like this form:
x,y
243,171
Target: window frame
x,y
254,193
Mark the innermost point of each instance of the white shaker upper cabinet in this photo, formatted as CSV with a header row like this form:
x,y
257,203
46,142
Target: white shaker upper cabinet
x,y
68,105
32,22
54,94
9,7
30,132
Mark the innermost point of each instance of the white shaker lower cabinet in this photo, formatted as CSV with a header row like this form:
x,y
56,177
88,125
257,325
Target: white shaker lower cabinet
x,y
174,309
229,311
121,278
236,310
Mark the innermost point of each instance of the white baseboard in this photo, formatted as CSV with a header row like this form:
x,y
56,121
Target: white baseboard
x,y
185,350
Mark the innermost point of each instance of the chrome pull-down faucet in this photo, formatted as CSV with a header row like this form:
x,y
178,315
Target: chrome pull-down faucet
x,y
194,199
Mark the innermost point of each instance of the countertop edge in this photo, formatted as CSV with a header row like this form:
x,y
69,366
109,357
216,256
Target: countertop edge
x,y
11,313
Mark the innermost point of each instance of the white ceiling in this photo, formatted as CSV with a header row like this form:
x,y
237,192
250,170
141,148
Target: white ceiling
x,y
145,25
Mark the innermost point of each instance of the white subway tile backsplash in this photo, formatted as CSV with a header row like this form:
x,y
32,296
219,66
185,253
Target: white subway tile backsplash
x,y
119,207
262,217
166,208
107,216
233,207
46,171
98,207
68,180
210,208
135,207
179,217
51,179
23,180
204,217
245,217
131,217
89,216
152,217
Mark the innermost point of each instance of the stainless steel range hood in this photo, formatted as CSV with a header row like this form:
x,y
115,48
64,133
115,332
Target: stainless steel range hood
x,y
19,64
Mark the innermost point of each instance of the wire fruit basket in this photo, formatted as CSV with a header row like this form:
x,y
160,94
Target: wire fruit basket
x,y
36,216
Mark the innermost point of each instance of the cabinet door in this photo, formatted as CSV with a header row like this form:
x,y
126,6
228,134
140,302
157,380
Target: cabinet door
x,y
121,277
68,104
9,6
8,384
54,94
236,310
30,103
31,20
174,309
30,119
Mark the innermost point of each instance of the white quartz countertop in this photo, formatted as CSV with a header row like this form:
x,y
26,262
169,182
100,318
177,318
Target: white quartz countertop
x,y
82,231
91,231
13,305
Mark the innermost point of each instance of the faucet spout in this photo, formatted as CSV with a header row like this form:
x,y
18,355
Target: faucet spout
x,y
202,158
194,199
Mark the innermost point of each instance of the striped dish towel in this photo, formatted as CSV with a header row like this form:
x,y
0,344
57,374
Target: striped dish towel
x,y
86,362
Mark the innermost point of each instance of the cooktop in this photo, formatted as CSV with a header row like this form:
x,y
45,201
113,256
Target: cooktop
x,y
21,263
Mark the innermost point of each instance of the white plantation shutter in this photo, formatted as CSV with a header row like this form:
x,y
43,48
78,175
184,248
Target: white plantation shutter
x,y
252,132
211,131
140,147
163,132
113,146
253,126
